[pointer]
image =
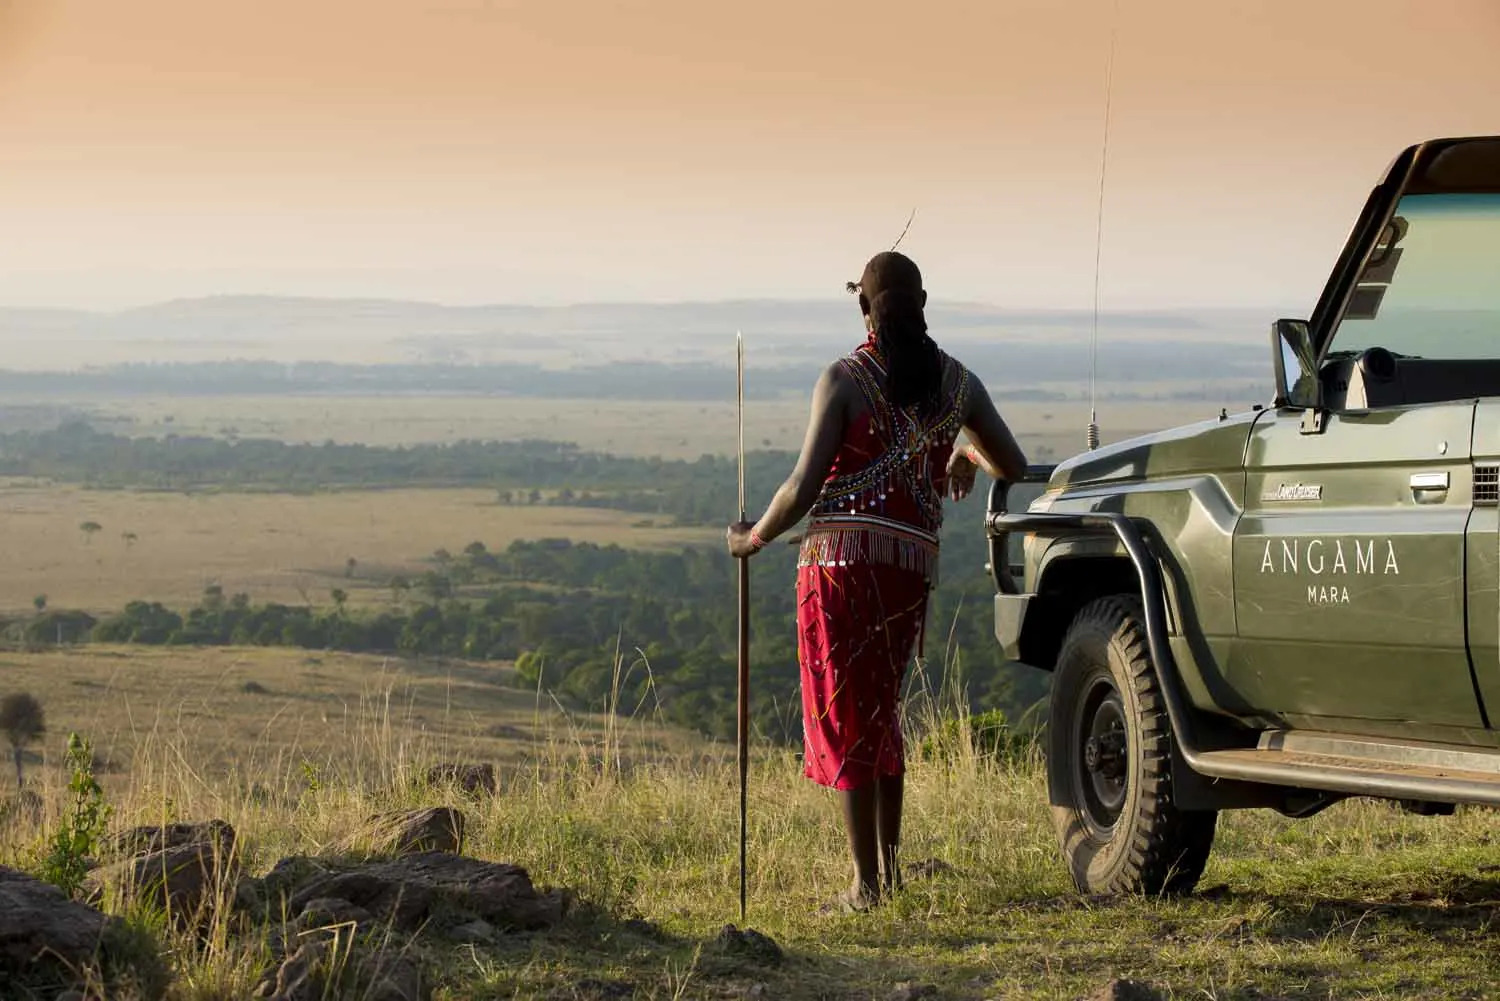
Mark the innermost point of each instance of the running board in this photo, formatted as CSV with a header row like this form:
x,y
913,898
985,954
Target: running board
x,y
1362,766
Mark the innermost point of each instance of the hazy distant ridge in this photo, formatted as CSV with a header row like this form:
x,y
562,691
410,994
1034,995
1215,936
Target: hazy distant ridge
x,y
1024,371
375,331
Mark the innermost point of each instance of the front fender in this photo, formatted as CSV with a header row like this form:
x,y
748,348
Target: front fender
x,y
1073,556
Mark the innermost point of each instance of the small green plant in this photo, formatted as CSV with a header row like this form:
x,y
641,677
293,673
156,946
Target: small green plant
x,y
987,734
81,829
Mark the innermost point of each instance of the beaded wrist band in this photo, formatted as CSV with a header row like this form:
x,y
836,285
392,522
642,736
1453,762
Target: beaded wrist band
x,y
756,542
972,454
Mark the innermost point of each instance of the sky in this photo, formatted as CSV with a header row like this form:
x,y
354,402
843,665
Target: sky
x,y
469,151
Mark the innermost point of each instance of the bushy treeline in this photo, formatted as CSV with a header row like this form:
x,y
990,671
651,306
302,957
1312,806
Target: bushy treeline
x,y
590,622
618,380
599,625
694,491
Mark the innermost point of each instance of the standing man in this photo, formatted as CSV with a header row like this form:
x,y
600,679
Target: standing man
x,y
877,459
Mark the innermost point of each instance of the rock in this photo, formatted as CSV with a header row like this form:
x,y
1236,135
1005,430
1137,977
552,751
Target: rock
x,y
147,840
407,891
1126,990
317,971
472,779
297,978
476,931
750,944
326,920
250,895
913,992
391,978
331,912
184,880
39,923
406,832
290,873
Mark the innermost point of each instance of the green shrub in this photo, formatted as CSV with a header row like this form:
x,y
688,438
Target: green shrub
x,y
987,734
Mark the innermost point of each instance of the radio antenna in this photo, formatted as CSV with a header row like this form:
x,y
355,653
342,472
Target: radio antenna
x,y
1092,434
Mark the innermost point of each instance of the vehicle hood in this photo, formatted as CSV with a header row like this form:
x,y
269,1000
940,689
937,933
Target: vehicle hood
x,y
1210,445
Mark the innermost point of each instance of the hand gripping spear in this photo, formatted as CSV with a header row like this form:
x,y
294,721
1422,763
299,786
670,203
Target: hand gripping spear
x,y
744,638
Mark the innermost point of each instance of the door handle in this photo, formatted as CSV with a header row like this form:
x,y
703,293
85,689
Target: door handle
x,y
1429,488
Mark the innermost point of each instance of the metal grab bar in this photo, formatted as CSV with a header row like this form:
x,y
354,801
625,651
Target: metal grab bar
x,y
1001,524
999,492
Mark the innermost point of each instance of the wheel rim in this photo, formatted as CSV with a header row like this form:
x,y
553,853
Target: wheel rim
x,y
1101,775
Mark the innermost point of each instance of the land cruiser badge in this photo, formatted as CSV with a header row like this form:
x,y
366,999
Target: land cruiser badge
x,y
1293,492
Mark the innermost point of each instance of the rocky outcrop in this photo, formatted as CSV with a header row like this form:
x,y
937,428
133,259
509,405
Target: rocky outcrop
x,y
184,869
38,923
52,946
411,892
147,840
341,916
337,926
406,832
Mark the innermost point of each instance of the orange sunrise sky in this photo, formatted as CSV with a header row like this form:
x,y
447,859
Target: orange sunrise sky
x,y
471,151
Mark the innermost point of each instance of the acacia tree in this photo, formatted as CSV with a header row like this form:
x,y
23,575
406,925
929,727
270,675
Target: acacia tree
x,y
21,722
88,529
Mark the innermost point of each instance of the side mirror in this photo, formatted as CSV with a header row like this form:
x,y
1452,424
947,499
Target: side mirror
x,y
1297,383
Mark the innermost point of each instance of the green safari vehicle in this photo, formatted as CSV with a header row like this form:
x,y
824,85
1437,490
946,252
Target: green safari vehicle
x,y
1290,606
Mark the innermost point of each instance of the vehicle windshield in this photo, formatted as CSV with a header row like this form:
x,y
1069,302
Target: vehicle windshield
x,y
1432,288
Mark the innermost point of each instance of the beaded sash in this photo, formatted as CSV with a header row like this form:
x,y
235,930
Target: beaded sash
x,y
890,510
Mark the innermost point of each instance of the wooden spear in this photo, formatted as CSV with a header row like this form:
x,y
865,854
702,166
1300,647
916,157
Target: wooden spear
x,y
744,637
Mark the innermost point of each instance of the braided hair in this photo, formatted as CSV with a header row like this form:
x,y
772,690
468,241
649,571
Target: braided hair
x,y
891,295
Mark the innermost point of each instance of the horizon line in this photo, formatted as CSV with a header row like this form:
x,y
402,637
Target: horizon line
x,y
957,303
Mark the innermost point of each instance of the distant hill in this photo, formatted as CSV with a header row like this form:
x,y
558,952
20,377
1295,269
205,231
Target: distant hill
x,y
383,332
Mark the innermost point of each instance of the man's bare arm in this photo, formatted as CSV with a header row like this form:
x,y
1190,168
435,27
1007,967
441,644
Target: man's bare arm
x,y
825,432
998,451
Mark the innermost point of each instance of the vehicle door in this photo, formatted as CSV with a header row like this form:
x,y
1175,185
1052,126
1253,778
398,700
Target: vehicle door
x,y
1350,560
1348,567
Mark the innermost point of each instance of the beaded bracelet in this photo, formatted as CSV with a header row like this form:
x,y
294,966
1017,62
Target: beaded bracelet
x,y
756,542
972,454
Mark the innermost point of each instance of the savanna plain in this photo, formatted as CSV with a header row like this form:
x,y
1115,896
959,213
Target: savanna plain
x,y
631,816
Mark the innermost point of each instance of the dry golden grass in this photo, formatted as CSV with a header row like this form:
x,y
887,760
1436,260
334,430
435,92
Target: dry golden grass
x,y
229,717
275,547
1359,902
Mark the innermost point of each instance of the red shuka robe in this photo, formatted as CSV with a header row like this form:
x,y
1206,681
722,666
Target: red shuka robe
x,y
866,566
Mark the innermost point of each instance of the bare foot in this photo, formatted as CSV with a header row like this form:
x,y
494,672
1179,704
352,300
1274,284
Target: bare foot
x,y
855,900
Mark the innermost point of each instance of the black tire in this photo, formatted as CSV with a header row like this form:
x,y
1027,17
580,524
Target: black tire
x,y
1109,762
